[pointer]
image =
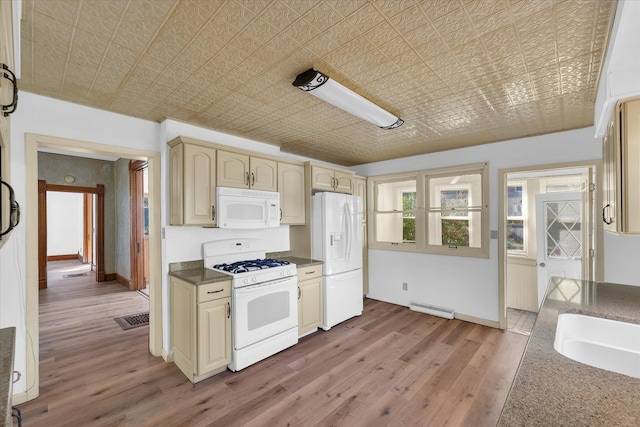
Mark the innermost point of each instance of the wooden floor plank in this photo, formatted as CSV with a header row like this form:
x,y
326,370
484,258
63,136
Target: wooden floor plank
x,y
390,366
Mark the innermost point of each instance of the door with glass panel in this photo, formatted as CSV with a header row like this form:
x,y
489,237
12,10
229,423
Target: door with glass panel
x,y
559,233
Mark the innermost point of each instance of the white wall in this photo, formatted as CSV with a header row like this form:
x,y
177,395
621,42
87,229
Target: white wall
x,y
468,285
64,223
47,116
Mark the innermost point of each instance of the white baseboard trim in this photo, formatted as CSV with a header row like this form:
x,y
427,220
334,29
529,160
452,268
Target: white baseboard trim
x,y
168,357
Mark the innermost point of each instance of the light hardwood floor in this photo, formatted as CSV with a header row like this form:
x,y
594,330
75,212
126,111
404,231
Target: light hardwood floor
x,y
388,367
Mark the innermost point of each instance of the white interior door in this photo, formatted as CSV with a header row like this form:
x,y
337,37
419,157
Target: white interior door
x,y
559,235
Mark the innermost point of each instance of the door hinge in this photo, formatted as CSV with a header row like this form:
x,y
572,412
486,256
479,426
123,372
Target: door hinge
x,y
592,187
592,253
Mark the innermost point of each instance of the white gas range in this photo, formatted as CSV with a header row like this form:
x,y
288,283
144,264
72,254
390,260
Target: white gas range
x,y
264,303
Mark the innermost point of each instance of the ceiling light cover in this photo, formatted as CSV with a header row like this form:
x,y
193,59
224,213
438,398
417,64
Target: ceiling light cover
x,y
321,86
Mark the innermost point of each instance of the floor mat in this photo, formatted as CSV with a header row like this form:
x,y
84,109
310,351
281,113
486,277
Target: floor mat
x,y
133,321
520,321
74,275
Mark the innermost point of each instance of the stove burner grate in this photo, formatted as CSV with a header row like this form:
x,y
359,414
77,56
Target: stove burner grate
x,y
250,265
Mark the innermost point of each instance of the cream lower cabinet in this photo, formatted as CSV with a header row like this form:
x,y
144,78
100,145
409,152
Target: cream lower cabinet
x,y
309,299
201,328
360,189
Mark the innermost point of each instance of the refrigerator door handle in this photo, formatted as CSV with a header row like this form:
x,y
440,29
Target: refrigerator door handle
x,y
347,214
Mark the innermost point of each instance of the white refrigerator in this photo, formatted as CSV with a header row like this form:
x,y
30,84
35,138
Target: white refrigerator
x,y
337,241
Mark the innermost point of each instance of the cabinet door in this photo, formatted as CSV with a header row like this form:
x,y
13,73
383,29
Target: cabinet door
x,y
309,305
176,189
233,169
183,326
629,204
343,182
608,180
360,189
263,174
214,335
291,189
199,185
321,178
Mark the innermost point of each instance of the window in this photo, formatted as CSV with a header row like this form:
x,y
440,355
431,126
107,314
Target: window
x,y
435,211
409,216
516,218
395,211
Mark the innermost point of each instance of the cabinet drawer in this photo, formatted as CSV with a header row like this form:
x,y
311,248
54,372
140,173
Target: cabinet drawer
x,y
310,272
213,291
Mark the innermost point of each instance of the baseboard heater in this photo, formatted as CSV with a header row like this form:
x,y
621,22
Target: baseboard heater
x,y
447,313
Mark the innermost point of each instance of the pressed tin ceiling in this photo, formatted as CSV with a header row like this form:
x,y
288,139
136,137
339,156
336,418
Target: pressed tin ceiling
x,y
458,72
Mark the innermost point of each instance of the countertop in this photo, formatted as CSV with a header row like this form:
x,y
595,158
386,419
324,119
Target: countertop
x,y
194,272
7,343
551,389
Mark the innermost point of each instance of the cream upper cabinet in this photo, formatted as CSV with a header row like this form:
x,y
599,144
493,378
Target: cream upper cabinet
x,y
201,327
360,189
192,170
240,170
6,94
621,179
309,299
292,191
327,179
233,169
7,79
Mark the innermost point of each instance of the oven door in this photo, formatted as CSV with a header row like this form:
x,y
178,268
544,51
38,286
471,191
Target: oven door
x,y
264,310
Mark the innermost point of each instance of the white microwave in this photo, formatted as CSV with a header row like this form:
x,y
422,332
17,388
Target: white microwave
x,y
242,209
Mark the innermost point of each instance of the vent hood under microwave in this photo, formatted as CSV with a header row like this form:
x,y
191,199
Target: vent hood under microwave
x,y
239,208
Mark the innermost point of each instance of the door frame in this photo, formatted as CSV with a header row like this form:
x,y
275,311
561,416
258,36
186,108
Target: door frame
x,y
87,223
32,143
596,200
98,190
137,251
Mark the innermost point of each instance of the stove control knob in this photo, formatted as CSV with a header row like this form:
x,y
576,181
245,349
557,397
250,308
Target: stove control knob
x,y
246,281
253,279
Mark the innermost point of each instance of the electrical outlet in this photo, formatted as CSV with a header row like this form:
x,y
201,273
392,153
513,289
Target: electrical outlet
x,y
405,286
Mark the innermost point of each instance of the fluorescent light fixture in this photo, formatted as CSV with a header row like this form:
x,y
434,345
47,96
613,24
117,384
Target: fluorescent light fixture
x,y
321,86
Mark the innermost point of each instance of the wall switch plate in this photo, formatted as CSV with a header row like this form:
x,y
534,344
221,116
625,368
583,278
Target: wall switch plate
x,y
405,286
494,234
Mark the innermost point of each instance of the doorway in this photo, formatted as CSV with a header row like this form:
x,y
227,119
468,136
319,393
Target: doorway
x,y
89,242
527,253
35,142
